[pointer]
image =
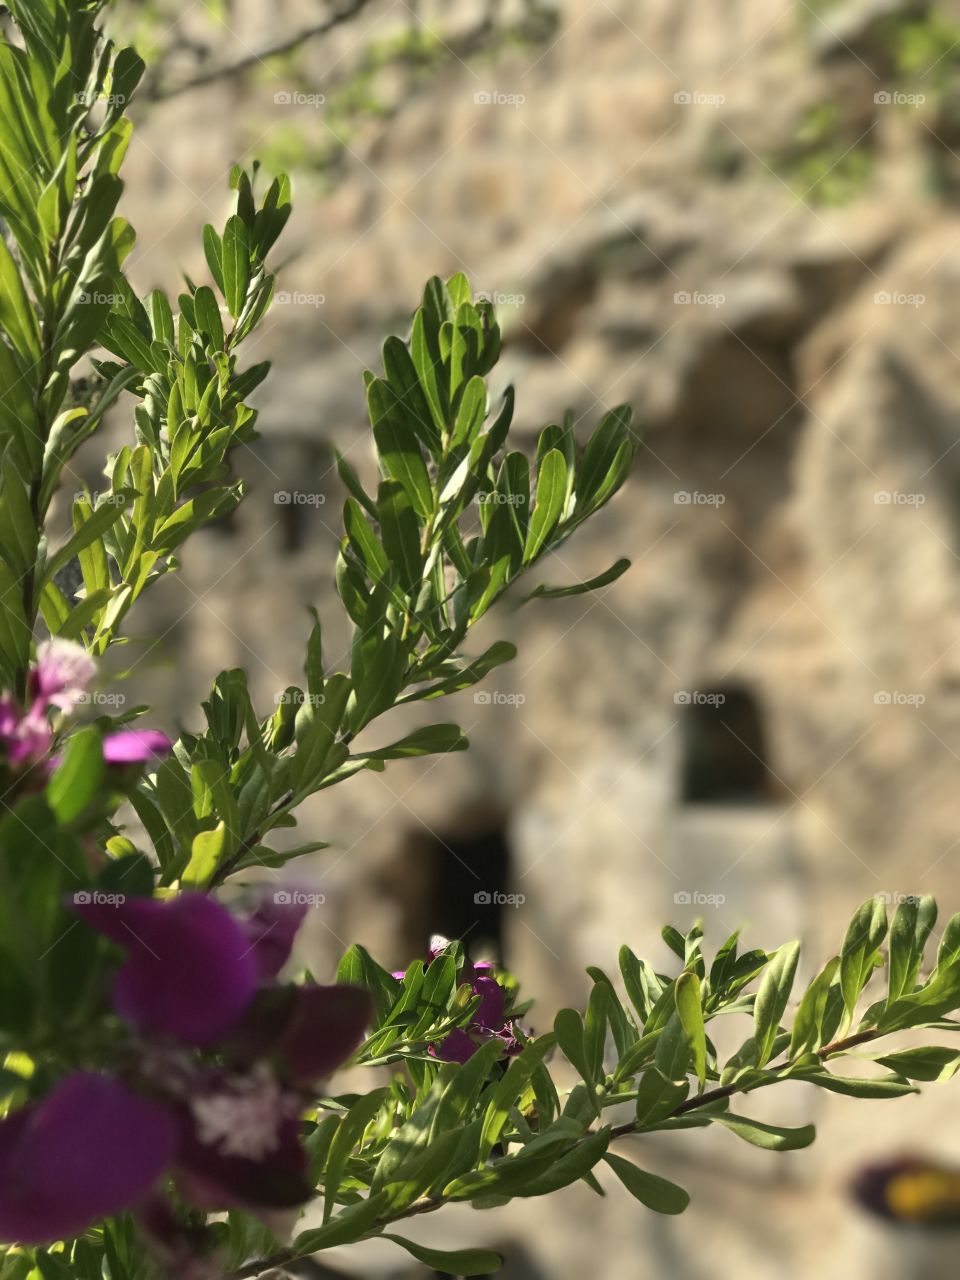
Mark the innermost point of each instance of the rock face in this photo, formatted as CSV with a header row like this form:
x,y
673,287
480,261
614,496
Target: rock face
x,y
760,723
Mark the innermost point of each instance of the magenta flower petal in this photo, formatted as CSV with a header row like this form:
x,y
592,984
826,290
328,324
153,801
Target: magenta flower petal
x,y
89,1150
23,737
456,1047
190,970
214,1175
272,929
489,1012
63,672
135,746
325,1026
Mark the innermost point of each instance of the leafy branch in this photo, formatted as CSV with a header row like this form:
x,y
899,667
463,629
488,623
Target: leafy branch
x,y
484,1134
456,520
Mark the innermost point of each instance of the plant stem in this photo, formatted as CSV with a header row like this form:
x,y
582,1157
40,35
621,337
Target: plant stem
x,y
429,1204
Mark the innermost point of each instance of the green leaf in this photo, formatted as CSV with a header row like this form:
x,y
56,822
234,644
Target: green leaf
x,y
595,1030
401,376
426,359
346,1139
808,1023
550,1161
398,447
17,316
568,1167
664,1085
236,265
76,783
642,984
860,950
771,1137
690,1010
569,1030
471,413
207,851
913,921
930,1062
401,532
772,997
352,483
515,1080
315,743
122,337
580,588
213,251
431,740
464,677
349,1225
655,1193
18,531
378,674
454,1262
551,496
365,544
161,317
90,524
851,1087
601,454
207,314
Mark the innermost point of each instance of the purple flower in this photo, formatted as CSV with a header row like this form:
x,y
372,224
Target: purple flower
x,y
190,970
271,929
229,1134
24,736
90,1149
62,673
59,679
489,1020
135,746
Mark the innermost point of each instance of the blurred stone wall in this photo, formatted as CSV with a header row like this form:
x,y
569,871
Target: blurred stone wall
x,y
793,522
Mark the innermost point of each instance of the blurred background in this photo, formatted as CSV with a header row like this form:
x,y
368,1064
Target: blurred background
x,y
742,218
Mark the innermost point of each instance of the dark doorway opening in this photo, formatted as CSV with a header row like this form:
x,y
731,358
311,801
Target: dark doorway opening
x,y
725,758
466,877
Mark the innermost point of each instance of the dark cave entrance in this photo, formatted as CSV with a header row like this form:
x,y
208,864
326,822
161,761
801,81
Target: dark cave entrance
x,y
725,754
465,875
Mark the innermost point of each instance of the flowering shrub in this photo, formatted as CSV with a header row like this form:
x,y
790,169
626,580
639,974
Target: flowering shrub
x,y
167,1097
